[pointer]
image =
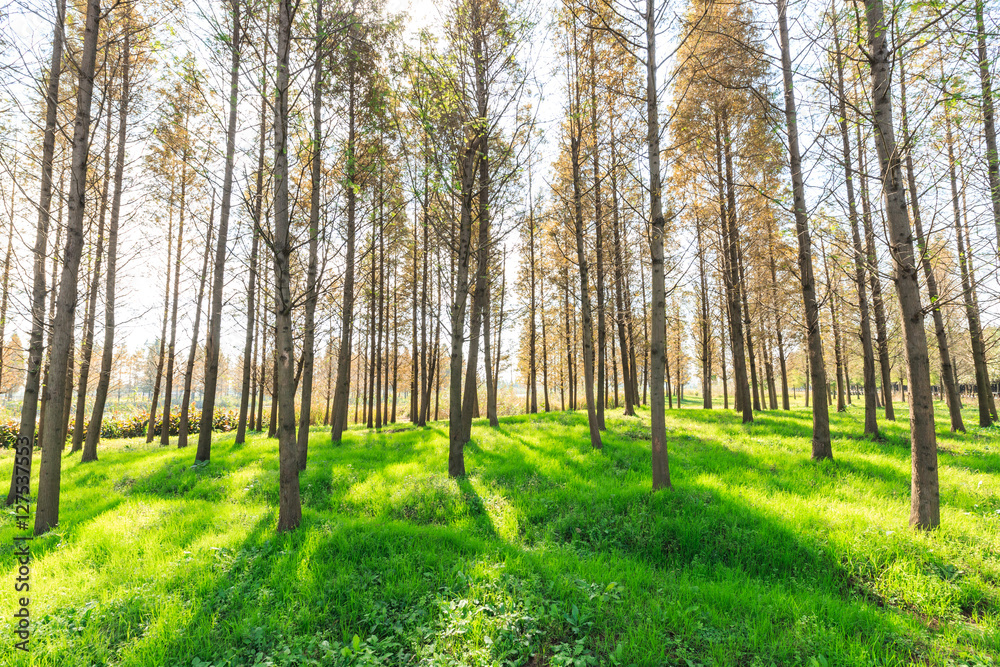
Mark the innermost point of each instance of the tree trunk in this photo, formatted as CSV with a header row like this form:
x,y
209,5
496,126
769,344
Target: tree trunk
x,y
924,498
983,389
213,340
619,278
821,448
881,335
87,349
309,328
47,508
184,426
289,504
989,129
21,472
343,386
249,348
658,429
944,351
868,352
456,443
107,355
168,383
731,262
151,429
832,291
581,257
599,242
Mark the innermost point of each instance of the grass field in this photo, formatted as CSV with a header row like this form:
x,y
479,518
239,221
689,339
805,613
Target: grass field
x,y
548,553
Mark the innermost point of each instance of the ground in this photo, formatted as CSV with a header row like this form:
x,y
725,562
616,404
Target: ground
x,y
548,553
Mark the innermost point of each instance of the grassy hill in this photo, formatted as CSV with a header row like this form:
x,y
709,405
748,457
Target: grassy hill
x,y
548,553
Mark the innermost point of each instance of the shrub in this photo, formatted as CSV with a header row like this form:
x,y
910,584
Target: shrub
x,y
133,425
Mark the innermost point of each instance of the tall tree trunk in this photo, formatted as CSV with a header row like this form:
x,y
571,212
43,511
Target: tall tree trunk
x,y
983,390
658,430
184,426
989,128
249,345
6,272
875,282
312,287
722,353
944,351
821,448
213,340
171,345
21,472
731,245
576,141
868,352
289,504
545,351
343,386
456,441
777,316
161,358
415,380
107,355
924,497
706,334
87,348
46,384
599,241
47,508
619,278
426,371
532,304
838,352
972,282
491,412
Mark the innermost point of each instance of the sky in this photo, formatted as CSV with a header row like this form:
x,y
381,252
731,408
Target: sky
x,y
28,31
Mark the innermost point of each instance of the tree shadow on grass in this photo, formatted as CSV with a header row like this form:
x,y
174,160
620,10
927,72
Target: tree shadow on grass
x,y
704,570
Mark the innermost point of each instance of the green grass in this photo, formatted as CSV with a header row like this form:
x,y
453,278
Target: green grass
x,y
548,553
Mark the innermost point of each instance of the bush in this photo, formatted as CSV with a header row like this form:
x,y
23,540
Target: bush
x,y
8,432
133,425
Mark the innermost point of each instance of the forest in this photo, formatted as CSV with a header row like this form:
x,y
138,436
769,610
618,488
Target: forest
x,y
499,332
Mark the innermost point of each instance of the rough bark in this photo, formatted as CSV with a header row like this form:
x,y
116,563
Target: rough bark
x,y
161,357
184,426
989,126
212,341
249,348
104,378
821,448
47,508
924,496
658,431
312,286
87,346
944,350
289,503
343,386
868,352
983,390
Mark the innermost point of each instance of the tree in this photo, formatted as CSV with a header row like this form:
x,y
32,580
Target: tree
x,y
32,382
821,448
47,509
868,353
924,495
212,342
104,378
289,503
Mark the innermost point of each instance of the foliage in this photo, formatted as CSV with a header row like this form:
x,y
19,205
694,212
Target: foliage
x,y
133,425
